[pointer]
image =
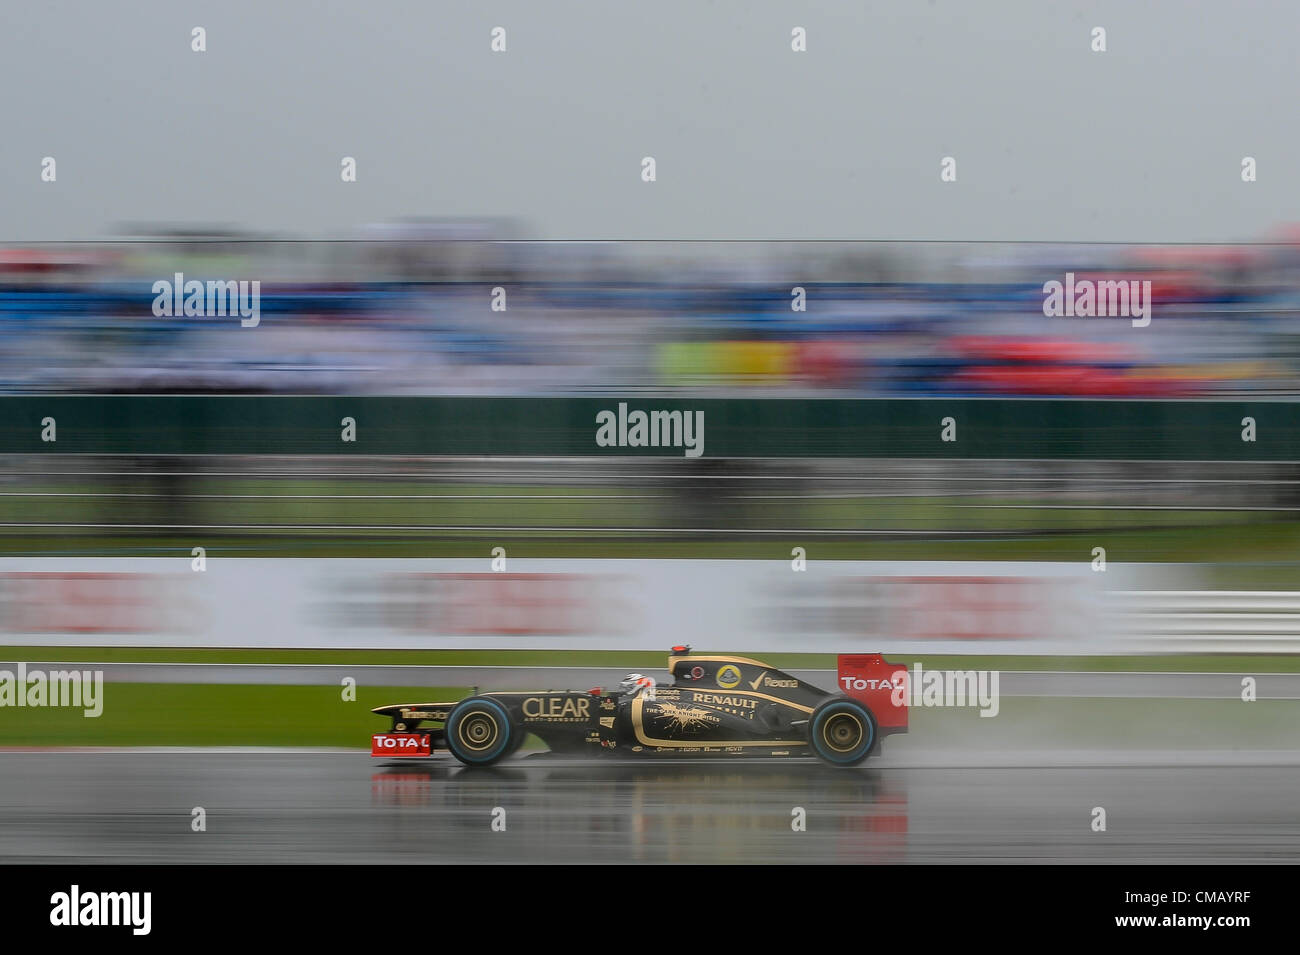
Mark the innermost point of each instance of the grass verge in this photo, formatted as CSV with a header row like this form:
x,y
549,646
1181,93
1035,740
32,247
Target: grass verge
x,y
648,659
215,714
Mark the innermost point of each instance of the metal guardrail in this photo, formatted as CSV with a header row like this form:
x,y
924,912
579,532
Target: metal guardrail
x,y
1241,621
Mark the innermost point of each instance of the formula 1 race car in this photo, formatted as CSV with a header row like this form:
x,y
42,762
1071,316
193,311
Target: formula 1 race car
x,y
716,706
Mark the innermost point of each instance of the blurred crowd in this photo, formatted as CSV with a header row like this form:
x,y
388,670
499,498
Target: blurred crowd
x,y
470,307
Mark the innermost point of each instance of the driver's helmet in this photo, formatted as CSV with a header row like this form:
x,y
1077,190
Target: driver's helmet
x,y
634,684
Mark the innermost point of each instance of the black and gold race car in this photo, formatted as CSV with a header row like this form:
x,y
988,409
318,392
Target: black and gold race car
x,y
716,706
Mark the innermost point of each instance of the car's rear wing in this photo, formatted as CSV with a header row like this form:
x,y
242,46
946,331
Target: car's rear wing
x,y
881,685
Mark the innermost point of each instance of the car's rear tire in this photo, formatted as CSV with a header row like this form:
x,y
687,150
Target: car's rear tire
x,y
842,731
479,732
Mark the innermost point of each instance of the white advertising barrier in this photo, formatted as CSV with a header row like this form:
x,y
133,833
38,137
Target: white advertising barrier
x,y
734,605
1207,621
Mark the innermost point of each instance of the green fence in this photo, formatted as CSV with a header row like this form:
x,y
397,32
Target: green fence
x,y
727,427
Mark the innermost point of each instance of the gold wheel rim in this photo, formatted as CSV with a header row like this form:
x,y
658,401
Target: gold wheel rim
x,y
843,732
478,732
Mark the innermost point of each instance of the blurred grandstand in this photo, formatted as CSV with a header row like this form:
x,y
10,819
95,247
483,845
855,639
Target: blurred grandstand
x,y
405,309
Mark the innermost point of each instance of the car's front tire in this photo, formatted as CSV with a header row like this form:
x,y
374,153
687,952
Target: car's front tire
x,y
842,731
480,732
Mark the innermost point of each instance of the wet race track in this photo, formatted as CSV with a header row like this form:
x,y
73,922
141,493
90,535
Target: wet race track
x,y
916,806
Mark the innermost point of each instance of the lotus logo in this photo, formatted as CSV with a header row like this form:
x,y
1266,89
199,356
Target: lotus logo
x,y
729,677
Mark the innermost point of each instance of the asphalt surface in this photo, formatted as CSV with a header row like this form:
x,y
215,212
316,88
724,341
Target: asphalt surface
x,y
1156,685
913,804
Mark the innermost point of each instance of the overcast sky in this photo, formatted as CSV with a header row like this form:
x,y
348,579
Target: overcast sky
x,y
752,141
